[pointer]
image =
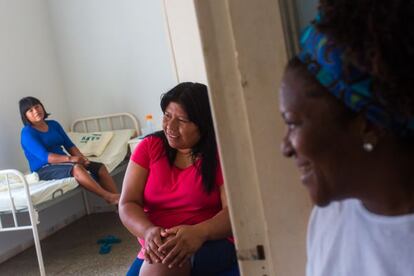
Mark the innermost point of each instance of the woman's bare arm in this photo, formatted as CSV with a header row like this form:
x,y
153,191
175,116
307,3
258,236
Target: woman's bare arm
x,y
132,213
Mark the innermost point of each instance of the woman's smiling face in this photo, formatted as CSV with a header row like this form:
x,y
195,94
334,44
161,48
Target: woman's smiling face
x,y
182,134
323,148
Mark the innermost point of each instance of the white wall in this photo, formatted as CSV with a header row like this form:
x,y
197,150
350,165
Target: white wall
x,y
28,67
185,41
80,58
114,55
89,57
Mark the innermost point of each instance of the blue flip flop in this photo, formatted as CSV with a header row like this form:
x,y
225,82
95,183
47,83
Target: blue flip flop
x,y
105,249
110,239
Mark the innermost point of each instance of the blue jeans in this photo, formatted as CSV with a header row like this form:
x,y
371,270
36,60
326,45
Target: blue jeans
x,y
214,258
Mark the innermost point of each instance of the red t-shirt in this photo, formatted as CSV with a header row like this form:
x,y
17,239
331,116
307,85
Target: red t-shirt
x,y
174,196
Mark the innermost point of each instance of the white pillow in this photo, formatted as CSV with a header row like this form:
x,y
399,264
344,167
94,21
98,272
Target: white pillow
x,y
91,143
116,150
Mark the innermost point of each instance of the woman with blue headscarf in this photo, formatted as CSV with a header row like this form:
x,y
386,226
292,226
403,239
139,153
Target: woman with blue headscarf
x,y
348,104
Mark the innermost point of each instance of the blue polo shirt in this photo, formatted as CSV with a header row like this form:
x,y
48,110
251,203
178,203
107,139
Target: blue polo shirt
x,y
37,144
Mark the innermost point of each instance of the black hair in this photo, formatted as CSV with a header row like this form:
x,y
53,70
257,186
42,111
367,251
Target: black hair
x,y
193,98
25,104
377,36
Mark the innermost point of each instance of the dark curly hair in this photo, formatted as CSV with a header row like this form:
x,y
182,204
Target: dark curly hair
x,y
378,37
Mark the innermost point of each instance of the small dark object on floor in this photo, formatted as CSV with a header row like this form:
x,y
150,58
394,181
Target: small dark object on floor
x,y
105,249
106,243
110,239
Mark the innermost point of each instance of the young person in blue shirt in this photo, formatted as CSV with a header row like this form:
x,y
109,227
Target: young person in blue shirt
x,y
42,141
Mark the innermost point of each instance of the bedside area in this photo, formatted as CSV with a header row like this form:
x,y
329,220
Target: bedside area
x,y
134,142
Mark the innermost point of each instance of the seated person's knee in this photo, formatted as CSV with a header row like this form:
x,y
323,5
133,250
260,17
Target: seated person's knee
x,y
78,169
102,171
157,269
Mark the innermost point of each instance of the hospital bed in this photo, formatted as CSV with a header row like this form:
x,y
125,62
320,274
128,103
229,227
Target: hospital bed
x,y
20,193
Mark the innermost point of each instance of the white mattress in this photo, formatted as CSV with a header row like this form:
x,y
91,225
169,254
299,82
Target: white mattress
x,y
117,149
40,192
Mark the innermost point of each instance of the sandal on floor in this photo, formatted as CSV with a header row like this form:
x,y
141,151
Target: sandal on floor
x,y
110,239
105,249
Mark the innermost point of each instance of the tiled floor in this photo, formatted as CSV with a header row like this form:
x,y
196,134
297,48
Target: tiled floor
x,y
74,251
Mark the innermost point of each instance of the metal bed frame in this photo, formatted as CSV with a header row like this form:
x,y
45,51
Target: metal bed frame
x,y
88,124
106,122
34,216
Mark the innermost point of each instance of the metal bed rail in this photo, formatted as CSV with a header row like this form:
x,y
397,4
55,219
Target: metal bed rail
x,y
34,218
106,122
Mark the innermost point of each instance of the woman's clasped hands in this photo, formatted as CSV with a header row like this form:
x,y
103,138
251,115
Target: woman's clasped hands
x,y
174,246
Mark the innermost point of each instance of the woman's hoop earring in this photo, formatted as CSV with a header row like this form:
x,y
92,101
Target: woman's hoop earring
x,y
368,147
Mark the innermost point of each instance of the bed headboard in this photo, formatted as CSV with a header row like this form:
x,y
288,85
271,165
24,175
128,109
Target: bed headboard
x,y
106,123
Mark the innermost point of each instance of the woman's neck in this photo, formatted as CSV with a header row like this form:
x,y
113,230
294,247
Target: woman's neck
x,y
391,206
183,159
391,193
41,126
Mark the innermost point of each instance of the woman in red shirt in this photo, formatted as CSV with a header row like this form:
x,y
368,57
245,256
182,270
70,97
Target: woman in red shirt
x,y
173,198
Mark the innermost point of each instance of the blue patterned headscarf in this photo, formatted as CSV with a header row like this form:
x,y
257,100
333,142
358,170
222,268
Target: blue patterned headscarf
x,y
324,60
